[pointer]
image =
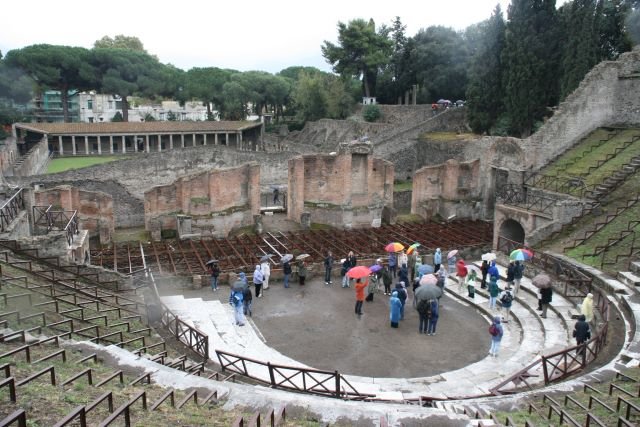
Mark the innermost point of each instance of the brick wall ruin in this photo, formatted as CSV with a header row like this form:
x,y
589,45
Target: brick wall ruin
x,y
95,208
348,189
210,203
452,188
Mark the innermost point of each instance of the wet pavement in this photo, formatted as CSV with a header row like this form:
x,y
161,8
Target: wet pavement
x,y
316,325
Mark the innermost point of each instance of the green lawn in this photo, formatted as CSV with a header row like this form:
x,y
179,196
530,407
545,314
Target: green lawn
x,y
66,163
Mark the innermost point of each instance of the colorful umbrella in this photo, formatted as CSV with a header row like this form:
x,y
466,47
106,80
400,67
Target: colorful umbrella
x,y
452,253
521,255
412,248
394,247
375,268
358,272
428,279
489,256
287,258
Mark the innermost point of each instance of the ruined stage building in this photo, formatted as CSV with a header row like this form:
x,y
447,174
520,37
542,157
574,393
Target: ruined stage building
x,y
66,139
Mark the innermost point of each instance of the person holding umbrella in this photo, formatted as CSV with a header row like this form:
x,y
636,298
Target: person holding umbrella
x,y
413,257
302,272
517,276
286,269
484,269
393,264
361,285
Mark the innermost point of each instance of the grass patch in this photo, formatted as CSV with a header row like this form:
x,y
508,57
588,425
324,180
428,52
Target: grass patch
x,y
67,163
409,218
135,234
402,185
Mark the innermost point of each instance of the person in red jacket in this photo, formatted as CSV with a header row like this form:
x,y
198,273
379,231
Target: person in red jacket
x,y
361,285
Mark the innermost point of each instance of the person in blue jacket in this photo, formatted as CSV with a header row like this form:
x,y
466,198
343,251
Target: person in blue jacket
x,y
437,260
395,306
496,337
236,299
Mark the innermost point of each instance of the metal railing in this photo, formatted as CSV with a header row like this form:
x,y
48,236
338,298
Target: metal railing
x,y
192,337
67,221
572,283
10,209
517,195
313,381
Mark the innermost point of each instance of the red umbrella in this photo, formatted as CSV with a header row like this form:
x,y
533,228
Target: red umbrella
x,y
394,247
359,272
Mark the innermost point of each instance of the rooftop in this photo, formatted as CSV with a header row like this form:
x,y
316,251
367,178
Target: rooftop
x,y
109,128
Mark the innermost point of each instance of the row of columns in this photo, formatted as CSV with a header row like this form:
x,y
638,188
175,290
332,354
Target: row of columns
x,y
238,134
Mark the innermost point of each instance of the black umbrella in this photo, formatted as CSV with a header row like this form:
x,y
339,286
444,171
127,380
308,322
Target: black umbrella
x,y
427,292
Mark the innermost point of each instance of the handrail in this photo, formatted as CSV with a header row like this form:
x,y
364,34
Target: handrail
x,y
10,209
518,195
20,416
125,408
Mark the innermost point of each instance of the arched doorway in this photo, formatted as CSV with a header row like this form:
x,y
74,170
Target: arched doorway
x,y
512,230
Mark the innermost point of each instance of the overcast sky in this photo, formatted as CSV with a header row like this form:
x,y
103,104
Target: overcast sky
x,y
242,35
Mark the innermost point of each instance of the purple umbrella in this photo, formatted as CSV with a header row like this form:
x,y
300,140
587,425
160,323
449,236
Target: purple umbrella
x,y
375,268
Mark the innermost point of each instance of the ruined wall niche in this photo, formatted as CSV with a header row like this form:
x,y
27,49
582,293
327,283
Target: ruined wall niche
x,y
95,208
346,189
452,188
215,201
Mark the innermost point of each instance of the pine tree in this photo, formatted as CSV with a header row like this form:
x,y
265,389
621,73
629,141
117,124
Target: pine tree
x,y
484,93
530,63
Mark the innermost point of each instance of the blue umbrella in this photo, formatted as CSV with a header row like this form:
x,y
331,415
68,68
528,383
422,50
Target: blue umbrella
x,y
425,269
375,268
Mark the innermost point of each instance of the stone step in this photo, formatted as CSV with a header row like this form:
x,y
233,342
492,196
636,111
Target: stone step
x,y
635,267
629,278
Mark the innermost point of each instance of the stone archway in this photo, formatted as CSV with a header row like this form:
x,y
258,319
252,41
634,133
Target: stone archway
x,y
512,230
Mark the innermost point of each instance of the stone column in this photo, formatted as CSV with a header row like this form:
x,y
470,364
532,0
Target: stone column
x,y
182,139
110,144
226,138
86,145
146,143
194,139
171,142
99,145
215,138
239,139
73,144
124,144
159,143
205,138
60,149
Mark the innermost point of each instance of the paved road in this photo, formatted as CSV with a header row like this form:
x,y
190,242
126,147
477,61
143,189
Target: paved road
x,y
316,325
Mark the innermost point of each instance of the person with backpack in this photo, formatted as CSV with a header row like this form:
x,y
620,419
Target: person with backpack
x,y
496,332
517,276
257,281
214,269
395,306
236,299
434,313
247,299
286,271
402,296
581,332
506,300
494,291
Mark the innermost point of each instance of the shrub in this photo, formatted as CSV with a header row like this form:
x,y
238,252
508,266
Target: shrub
x,y
371,113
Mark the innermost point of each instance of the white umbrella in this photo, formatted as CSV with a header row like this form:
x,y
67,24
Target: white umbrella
x,y
302,256
287,258
489,256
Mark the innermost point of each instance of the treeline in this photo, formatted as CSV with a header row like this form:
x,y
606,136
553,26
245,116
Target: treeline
x,y
510,71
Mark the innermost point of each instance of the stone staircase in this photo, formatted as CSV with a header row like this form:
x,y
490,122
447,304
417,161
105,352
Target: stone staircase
x,y
612,182
631,278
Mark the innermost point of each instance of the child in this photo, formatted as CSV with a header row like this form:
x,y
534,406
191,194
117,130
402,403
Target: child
x,y
471,284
